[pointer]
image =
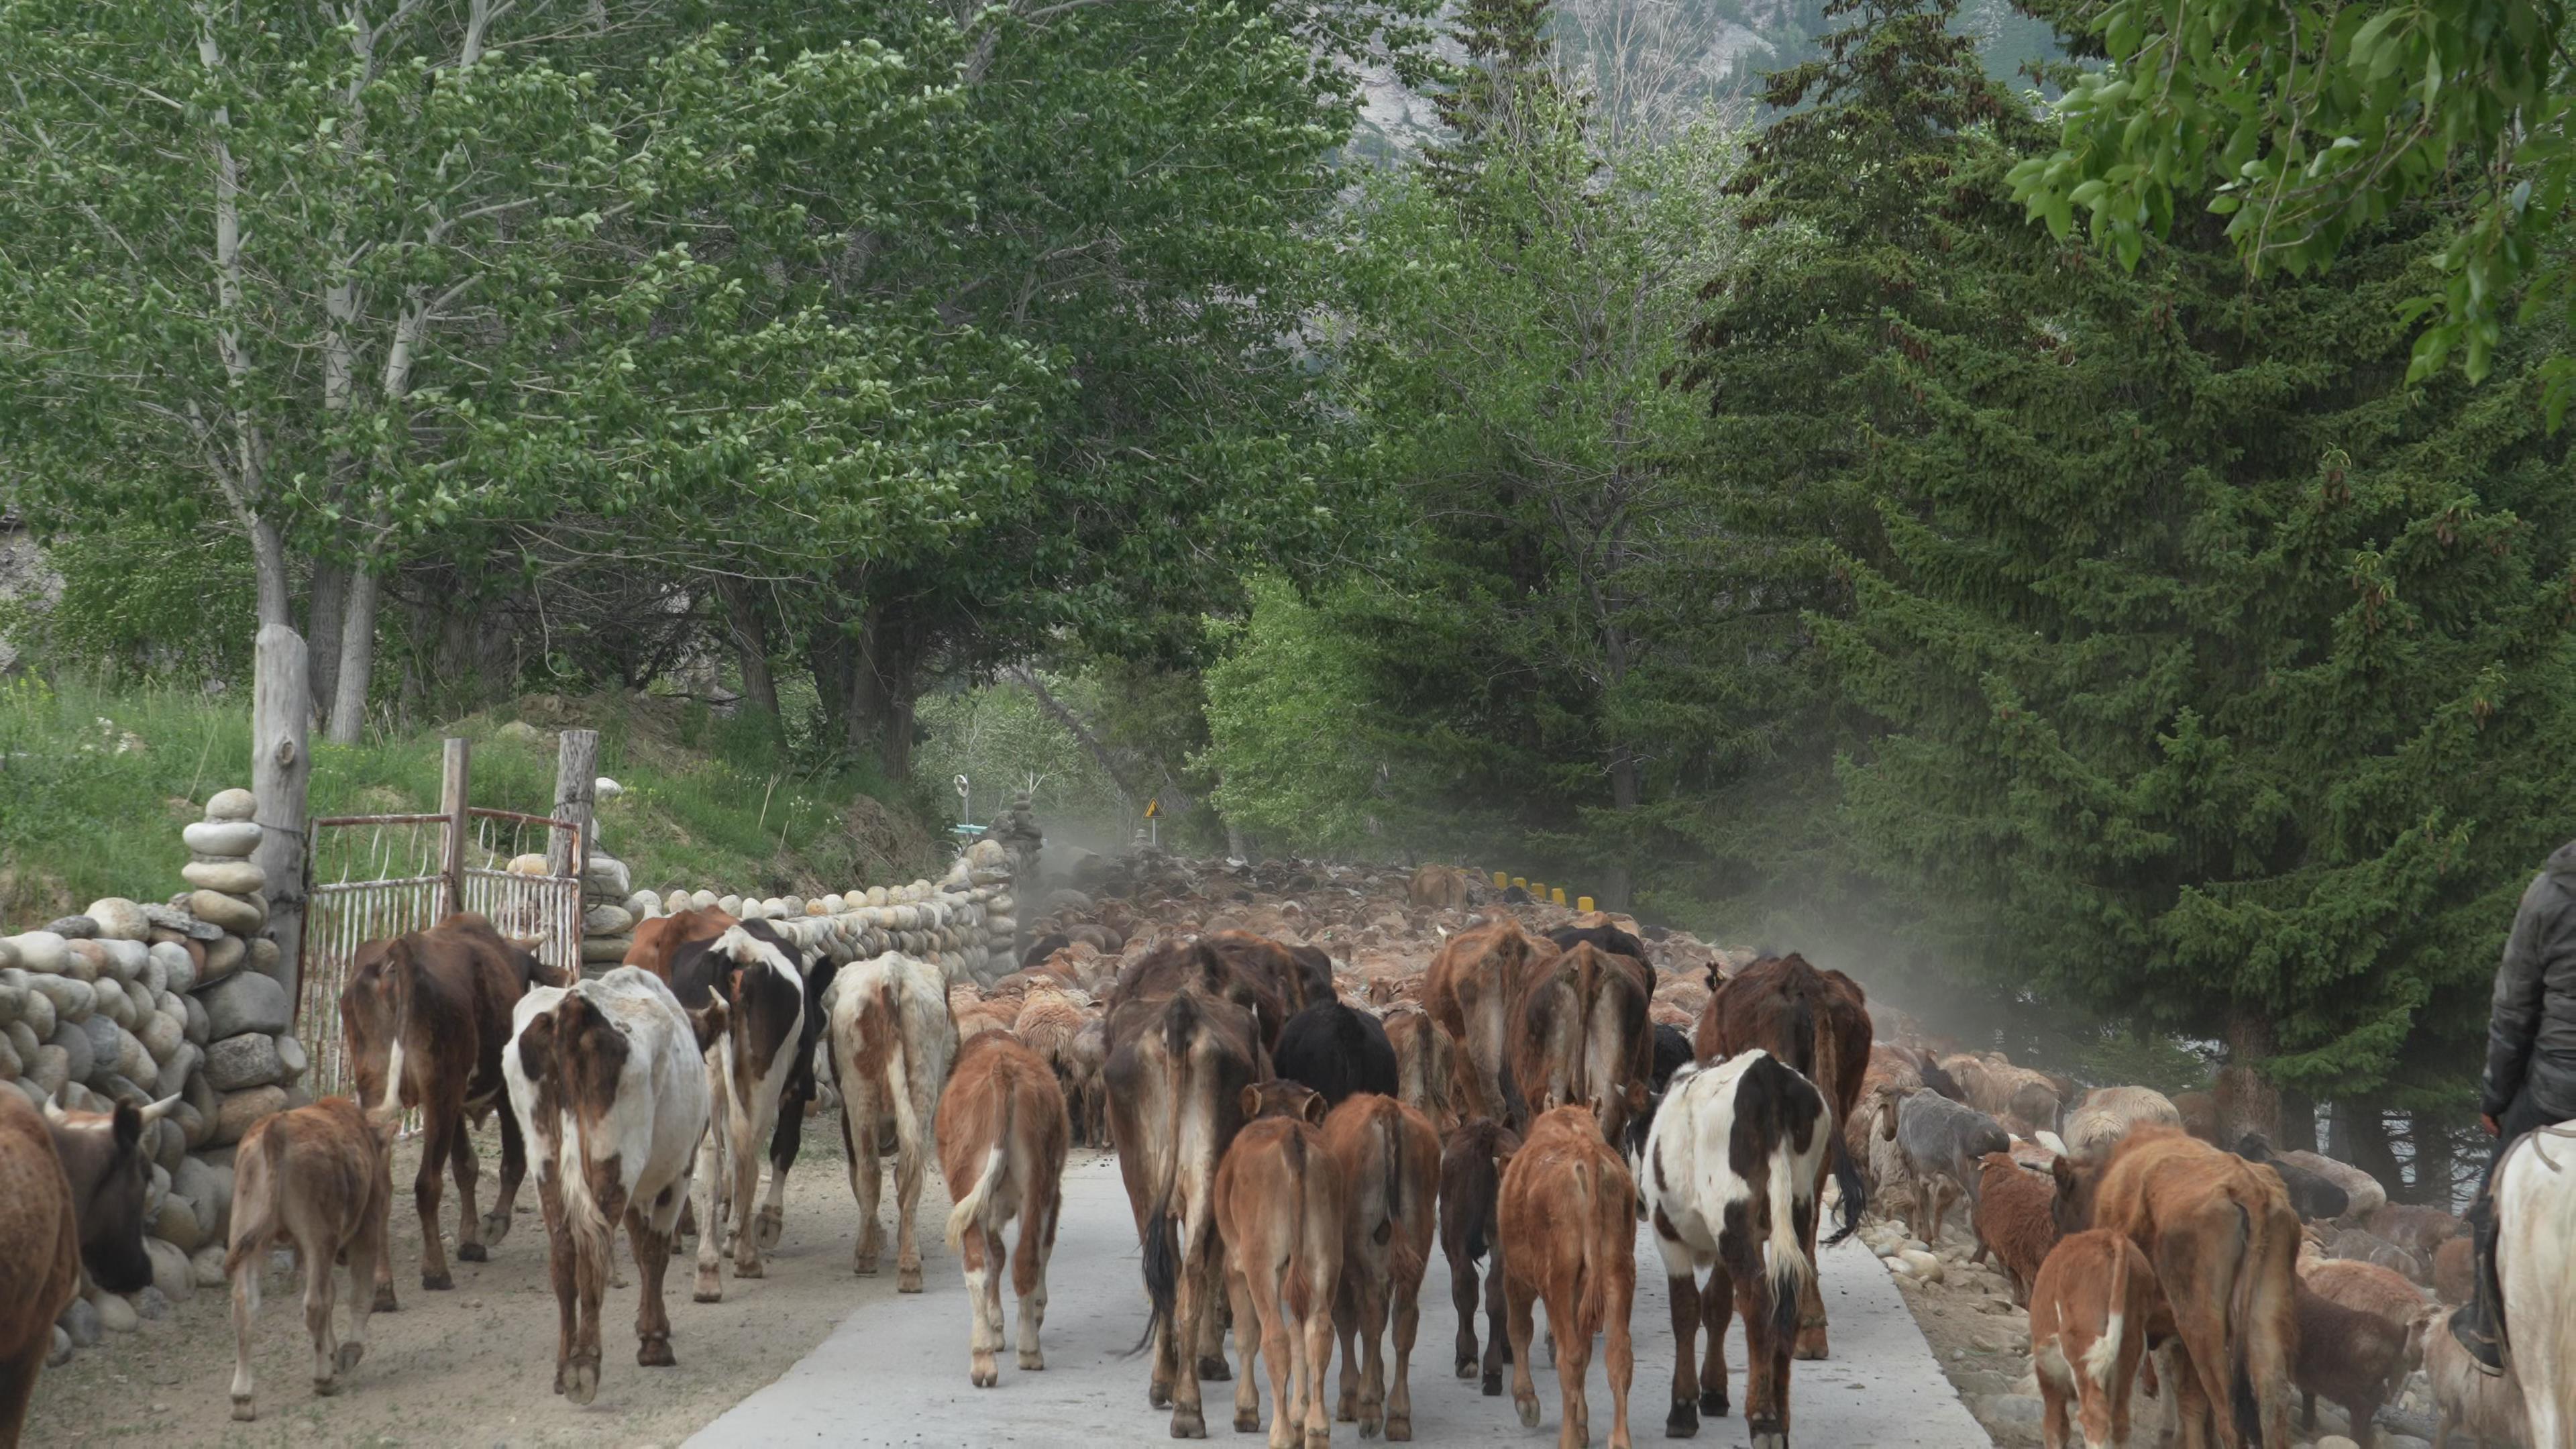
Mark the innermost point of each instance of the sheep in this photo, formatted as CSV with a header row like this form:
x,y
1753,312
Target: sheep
x,y
2015,1217
2352,1356
2106,1114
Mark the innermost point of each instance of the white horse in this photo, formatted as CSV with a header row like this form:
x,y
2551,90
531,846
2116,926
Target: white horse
x,y
2536,1266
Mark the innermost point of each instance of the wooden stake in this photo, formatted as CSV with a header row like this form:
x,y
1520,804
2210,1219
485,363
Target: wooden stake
x,y
281,718
576,793
453,796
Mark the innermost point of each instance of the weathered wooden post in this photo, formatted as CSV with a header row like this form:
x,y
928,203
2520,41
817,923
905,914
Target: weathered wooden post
x,y
576,794
453,797
281,770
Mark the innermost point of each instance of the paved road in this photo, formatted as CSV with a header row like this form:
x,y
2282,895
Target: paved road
x,y
894,1373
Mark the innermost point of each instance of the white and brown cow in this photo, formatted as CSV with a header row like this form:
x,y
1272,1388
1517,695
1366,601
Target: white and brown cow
x,y
1002,1130
320,1178
892,1042
755,972
40,1257
609,1082
1727,1169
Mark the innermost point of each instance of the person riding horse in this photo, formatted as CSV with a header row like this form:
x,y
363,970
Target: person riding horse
x,y
2531,1071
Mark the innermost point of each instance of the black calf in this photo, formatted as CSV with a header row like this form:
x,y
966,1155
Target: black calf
x,y
1337,1051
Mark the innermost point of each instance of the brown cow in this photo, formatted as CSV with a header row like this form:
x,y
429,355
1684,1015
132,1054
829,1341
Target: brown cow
x,y
1568,1211
1425,1063
1438,888
1176,1073
1472,1157
1579,1034
1001,1131
318,1177
1145,983
1473,985
40,1255
2224,1242
1299,975
1389,1158
1280,1203
424,1016
2093,1310
109,1167
1817,1022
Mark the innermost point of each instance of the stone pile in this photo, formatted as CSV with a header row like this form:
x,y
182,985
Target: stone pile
x,y
962,922
128,1002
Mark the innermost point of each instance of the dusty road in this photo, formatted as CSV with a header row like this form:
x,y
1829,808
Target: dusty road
x,y
896,1374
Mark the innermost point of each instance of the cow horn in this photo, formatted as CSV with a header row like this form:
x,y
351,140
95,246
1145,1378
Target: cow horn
x,y
160,1109
55,1113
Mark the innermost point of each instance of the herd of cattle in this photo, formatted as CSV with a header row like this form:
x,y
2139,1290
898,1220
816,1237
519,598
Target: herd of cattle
x,y
1294,1137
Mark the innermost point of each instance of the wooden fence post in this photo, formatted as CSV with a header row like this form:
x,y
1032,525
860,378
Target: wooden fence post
x,y
453,797
576,791
281,716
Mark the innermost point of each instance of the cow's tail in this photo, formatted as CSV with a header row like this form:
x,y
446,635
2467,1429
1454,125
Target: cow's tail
x,y
1403,1258
1297,1290
256,1217
1790,1270
1825,1073
592,1234
1161,1236
398,980
2104,1355
907,1122
2245,1399
970,1208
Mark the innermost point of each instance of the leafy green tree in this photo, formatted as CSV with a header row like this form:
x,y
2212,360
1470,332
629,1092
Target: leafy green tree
x,y
2310,124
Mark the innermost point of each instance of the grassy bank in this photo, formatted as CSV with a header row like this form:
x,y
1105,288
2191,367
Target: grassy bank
x,y
94,785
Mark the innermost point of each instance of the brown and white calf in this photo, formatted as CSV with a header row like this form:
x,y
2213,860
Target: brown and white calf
x,y
609,1082
756,973
2093,1308
1390,1164
1280,1202
892,1042
1568,1211
318,1177
1177,1069
40,1256
424,1016
1728,1169
1472,1158
1002,1130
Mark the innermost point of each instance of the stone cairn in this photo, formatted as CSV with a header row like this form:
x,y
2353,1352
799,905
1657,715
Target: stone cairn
x,y
131,1002
963,922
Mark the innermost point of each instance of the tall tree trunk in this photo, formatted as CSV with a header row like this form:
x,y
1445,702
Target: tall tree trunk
x,y
2361,1138
751,644
827,654
2247,1101
328,601
357,658
884,690
2433,1166
2298,1121
1615,886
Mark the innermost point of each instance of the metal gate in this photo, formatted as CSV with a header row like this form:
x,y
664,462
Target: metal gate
x,y
374,877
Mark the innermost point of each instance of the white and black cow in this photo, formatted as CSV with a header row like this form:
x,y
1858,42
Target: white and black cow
x,y
1726,1168
609,1083
757,973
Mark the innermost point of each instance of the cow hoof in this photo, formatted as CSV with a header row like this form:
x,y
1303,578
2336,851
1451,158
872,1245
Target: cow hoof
x,y
244,1409
1348,1410
1033,1361
1809,1349
865,1265
1467,1367
1214,1370
752,1269
349,1355
1319,1439
325,1388
768,1227
496,1226
1158,1396
655,1352
1399,1428
582,1384
1188,1424
984,1373
709,1288
1528,1410
1493,1386
384,1299
1683,1421
1712,1402
438,1282
908,1280
472,1253
1247,1421
1769,1435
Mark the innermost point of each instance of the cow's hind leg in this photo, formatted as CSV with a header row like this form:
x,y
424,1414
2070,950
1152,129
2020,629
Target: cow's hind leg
x,y
1811,1344
317,1317
514,1170
745,1129
867,1183
1500,1347
1573,1364
245,1276
462,1163
560,1272
652,1321
1029,1273
1517,1323
1346,1327
1399,1392
785,1137
1462,1296
907,1206
709,1287
978,1253
1619,1351
1716,1307
365,1247
1247,1345
442,1126
18,1386
1683,1290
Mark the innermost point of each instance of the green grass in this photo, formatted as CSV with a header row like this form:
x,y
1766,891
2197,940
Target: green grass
x,y
95,785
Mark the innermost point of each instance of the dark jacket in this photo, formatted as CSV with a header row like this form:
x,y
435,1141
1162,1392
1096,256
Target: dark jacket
x,y
2531,1037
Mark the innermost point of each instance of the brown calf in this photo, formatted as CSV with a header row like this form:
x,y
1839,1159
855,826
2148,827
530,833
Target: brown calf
x,y
1817,1023
40,1259
1470,991
2224,1243
109,1167
1568,1211
1579,1034
1390,1163
2093,1309
319,1177
1280,1203
1425,1062
424,1017
2352,1356
1472,1157
2015,1219
1001,1130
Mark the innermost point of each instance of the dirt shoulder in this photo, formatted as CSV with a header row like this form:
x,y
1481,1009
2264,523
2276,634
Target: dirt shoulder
x,y
475,1365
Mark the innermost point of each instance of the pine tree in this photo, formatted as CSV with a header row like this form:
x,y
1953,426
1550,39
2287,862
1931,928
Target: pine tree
x,y
1505,92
